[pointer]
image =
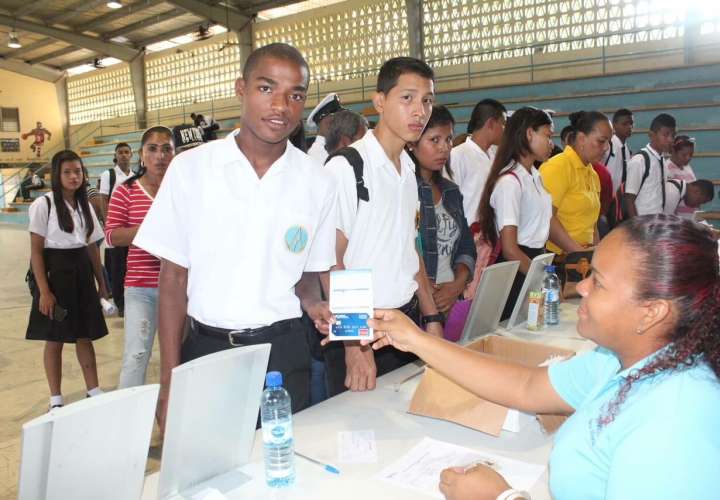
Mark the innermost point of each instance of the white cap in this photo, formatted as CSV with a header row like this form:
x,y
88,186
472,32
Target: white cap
x,y
329,105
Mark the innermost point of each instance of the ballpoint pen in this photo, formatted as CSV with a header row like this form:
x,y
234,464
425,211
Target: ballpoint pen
x,y
327,467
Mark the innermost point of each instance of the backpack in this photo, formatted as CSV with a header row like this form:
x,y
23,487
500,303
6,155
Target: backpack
x,y
355,160
112,181
30,276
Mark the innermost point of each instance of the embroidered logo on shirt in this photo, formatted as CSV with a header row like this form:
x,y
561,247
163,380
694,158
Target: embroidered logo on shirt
x,y
296,238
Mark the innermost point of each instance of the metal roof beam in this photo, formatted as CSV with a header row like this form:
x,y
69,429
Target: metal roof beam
x,y
53,55
218,15
40,71
144,23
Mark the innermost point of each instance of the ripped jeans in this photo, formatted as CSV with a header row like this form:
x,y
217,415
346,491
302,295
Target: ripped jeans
x,y
141,312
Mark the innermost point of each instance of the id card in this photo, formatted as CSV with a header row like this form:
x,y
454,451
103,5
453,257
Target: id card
x,y
351,302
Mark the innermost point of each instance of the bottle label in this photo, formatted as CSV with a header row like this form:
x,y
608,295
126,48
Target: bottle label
x,y
277,432
551,295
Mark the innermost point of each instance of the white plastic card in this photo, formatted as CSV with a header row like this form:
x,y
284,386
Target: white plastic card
x,y
351,302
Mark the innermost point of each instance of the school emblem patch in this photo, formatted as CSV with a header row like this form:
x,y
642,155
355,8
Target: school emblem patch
x,y
296,237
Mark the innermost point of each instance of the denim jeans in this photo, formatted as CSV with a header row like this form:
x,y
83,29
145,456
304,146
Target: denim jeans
x,y
141,312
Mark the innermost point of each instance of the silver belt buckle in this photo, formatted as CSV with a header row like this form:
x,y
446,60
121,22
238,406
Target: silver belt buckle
x,y
230,337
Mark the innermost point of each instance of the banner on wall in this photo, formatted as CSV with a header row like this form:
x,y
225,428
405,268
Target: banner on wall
x,y
10,145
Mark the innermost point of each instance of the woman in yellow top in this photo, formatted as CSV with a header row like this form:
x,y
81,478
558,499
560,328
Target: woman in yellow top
x,y
570,179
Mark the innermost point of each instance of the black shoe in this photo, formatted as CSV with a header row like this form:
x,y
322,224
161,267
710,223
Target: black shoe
x,y
121,313
53,407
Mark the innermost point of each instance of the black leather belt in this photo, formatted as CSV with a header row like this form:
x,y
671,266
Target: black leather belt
x,y
411,306
237,337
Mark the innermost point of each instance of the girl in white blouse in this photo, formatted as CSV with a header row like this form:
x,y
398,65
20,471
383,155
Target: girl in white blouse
x,y
66,262
515,209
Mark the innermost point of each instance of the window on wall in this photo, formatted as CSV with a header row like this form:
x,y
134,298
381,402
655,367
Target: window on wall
x,y
100,95
458,31
198,74
344,40
9,120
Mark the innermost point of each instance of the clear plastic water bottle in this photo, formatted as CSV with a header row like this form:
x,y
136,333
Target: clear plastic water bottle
x,y
551,296
276,418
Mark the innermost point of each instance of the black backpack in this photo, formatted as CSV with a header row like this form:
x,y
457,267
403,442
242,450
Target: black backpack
x,y
646,173
355,160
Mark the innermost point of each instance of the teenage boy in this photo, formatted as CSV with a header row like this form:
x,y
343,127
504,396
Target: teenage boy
x,y
471,160
645,190
241,263
619,153
115,257
694,194
377,229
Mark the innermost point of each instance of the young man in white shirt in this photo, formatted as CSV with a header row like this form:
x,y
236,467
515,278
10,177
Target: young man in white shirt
x,y
645,191
243,263
471,160
377,229
616,161
693,194
116,257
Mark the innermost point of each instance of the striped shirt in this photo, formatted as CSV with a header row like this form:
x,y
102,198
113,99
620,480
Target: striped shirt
x,y
128,207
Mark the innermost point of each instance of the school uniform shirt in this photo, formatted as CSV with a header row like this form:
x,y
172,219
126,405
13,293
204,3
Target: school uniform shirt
x,y
381,233
649,196
674,192
521,200
128,207
684,174
470,166
317,150
47,225
663,444
618,155
245,241
575,190
120,177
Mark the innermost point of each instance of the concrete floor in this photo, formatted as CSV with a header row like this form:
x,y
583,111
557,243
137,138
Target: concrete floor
x,y
23,388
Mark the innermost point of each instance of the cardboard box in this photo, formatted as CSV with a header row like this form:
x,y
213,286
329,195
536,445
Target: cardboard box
x,y
436,396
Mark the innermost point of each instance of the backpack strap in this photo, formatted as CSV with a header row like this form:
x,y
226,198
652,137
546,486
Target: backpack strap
x,y
47,201
679,185
355,160
610,153
112,180
646,172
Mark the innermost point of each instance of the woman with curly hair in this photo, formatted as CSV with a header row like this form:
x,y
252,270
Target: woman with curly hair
x,y
645,403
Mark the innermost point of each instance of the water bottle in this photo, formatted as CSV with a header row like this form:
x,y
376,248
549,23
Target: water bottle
x,y
276,418
551,295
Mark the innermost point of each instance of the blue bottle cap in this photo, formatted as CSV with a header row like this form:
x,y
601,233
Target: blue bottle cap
x,y
550,269
273,379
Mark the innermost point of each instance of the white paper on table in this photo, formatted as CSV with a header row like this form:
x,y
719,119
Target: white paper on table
x,y
351,301
420,468
357,447
209,494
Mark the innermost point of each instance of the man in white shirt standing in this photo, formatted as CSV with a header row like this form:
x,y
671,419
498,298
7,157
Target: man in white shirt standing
x,y
243,262
377,218
320,117
116,257
471,160
616,161
645,190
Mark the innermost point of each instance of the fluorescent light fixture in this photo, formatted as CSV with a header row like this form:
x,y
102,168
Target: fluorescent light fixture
x,y
13,41
114,5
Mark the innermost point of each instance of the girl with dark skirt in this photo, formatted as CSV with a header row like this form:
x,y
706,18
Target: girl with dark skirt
x,y
66,262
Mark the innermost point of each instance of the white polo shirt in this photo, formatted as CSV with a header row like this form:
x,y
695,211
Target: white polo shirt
x,y
649,198
523,202
614,160
47,225
317,150
381,233
471,166
120,177
245,241
674,192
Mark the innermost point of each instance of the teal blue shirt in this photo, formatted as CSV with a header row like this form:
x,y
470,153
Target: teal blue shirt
x,y
664,444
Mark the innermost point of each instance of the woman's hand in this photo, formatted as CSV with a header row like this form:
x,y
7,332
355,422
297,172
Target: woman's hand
x,y
47,304
477,483
393,328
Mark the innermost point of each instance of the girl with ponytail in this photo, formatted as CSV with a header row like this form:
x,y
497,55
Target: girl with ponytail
x,y
644,405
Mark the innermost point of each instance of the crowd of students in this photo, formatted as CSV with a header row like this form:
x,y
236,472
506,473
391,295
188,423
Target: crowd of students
x,y
214,265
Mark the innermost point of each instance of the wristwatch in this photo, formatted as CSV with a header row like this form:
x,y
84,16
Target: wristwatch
x,y
432,318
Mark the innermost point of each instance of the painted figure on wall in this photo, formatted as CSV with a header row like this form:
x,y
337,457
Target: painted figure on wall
x,y
38,134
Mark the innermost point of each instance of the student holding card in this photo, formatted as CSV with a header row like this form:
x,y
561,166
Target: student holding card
x,y
377,217
246,282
